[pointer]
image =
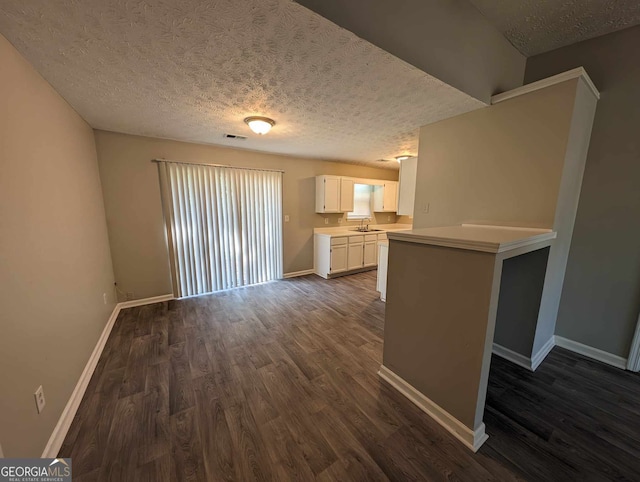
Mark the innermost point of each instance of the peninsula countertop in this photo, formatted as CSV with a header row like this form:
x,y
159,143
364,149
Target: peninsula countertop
x,y
476,237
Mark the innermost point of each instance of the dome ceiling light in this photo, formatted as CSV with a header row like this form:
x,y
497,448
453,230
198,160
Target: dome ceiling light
x,y
403,158
260,125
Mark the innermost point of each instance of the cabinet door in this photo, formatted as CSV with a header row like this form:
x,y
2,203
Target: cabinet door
x,y
355,255
338,259
331,194
385,197
390,196
346,195
370,258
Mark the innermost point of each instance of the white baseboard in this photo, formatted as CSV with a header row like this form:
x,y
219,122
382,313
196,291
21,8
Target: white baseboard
x,y
145,301
472,439
295,274
590,352
539,357
64,422
512,356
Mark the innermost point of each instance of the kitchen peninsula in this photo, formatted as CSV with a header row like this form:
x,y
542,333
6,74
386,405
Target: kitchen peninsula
x,y
444,292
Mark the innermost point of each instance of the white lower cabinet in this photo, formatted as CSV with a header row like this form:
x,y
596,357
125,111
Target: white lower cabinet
x,y
369,251
341,254
356,252
338,259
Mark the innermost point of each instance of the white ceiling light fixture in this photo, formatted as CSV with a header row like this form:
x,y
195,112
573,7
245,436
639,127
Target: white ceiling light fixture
x,y
403,158
260,125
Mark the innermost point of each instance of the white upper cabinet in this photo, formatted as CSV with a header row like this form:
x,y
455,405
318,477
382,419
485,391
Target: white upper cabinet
x,y
335,194
328,194
346,194
407,186
385,197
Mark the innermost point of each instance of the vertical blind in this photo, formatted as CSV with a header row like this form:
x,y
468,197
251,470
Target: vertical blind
x,y
224,226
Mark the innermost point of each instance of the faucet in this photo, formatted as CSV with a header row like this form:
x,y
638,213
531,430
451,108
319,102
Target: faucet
x,y
362,228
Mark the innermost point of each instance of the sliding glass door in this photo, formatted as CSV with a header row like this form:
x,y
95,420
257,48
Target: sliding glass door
x,y
224,226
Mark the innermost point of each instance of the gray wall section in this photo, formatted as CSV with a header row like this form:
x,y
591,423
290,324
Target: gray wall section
x,y
601,293
448,39
519,302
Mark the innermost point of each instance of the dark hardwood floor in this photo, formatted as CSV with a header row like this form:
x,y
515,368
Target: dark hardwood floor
x,y
278,382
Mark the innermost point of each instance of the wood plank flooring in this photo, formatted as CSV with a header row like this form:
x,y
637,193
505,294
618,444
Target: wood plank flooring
x,y
278,382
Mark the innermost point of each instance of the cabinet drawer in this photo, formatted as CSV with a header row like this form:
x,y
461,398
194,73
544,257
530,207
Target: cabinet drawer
x,y
338,241
382,237
356,239
370,237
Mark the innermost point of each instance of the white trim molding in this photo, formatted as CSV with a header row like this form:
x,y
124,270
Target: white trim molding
x,y
530,364
473,439
64,422
577,73
295,274
633,363
145,301
539,357
591,352
512,356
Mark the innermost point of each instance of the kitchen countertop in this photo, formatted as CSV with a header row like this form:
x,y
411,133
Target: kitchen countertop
x,y
351,230
475,237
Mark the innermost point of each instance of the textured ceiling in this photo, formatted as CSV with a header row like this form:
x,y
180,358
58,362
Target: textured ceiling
x,y
194,69
536,26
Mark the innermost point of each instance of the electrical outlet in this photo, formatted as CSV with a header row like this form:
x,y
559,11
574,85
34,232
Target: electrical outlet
x,y
339,220
326,220
40,401
286,218
129,295
104,298
388,218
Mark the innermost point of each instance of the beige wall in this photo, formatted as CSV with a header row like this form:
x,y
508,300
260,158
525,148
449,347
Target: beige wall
x,y
134,211
54,254
497,165
520,163
601,293
437,312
